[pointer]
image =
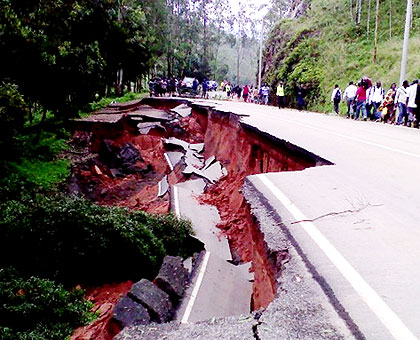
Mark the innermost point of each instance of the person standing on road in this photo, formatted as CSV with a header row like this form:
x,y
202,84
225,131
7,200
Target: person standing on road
x,y
336,98
228,89
375,98
246,93
349,96
280,95
255,94
299,97
401,99
388,107
413,103
361,102
205,86
265,92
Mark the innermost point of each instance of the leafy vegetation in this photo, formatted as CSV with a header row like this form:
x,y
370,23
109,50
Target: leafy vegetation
x,y
326,46
34,308
63,53
72,240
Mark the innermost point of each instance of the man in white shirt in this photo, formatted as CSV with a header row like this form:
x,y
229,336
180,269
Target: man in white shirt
x,y
412,106
401,98
375,97
349,96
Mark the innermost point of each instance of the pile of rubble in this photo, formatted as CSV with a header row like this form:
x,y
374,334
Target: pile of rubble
x,y
155,301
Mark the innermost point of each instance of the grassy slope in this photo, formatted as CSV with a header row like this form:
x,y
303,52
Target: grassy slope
x,y
343,53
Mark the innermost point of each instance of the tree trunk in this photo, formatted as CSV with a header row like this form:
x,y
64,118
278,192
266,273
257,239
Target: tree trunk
x,y
375,48
390,19
359,12
238,42
351,10
368,19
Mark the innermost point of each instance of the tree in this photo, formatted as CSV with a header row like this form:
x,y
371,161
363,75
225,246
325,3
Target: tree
x,y
61,53
376,32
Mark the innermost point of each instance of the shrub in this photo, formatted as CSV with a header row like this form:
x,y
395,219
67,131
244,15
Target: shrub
x,y
73,240
12,117
34,308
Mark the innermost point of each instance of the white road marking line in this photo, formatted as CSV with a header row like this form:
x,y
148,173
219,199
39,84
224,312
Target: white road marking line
x,y
169,161
196,288
353,138
388,318
176,201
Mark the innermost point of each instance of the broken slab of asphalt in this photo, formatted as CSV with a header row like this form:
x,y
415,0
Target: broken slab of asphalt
x,y
300,309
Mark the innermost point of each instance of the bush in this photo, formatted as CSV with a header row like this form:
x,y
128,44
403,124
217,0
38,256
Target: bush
x,y
12,117
34,308
75,241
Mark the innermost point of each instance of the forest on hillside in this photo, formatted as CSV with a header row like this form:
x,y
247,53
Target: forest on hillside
x,y
329,42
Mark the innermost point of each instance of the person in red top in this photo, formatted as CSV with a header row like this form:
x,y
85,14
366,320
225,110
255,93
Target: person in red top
x,y
246,93
361,100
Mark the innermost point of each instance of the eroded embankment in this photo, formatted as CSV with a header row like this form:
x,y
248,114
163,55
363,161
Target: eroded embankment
x,y
241,149
245,151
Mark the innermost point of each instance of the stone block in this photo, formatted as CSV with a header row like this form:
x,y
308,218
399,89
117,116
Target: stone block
x,y
155,300
172,277
127,312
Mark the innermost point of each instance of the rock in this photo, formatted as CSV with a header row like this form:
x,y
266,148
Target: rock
x,y
172,277
124,158
154,299
107,153
97,170
129,154
129,313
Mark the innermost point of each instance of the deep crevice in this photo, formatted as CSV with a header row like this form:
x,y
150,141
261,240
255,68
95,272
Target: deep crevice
x,y
241,148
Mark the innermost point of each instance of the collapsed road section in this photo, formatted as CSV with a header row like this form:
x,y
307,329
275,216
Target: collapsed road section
x,y
146,153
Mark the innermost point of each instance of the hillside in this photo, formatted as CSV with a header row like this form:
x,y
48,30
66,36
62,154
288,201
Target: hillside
x,y
324,46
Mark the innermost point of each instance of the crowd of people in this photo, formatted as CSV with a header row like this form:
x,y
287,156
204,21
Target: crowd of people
x,y
400,106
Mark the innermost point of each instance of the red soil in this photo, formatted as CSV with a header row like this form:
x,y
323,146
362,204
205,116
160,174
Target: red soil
x,y
104,298
244,153
133,191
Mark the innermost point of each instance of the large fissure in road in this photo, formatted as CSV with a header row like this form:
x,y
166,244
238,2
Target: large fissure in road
x,y
241,150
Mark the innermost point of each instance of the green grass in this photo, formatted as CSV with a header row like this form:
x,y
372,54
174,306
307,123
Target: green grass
x,y
338,51
105,101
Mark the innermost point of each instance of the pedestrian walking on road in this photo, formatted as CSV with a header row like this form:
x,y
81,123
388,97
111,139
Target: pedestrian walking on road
x,y
205,86
401,99
246,93
376,95
361,102
299,97
349,96
280,95
336,98
228,89
387,107
265,92
413,105
255,94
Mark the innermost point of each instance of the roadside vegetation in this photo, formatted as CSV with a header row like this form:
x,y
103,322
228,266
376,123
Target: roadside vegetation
x,y
327,46
60,61
52,243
